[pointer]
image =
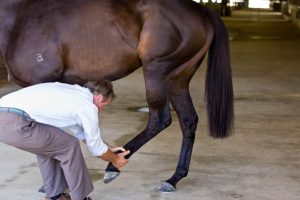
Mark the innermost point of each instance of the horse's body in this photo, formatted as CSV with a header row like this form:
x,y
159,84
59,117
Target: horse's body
x,y
75,41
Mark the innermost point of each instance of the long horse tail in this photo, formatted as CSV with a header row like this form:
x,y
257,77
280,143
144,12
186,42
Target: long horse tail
x,y
218,86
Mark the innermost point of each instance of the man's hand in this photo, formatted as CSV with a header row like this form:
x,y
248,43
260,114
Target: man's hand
x,y
120,160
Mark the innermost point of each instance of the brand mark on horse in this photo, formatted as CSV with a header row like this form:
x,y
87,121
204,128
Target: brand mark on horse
x,y
39,57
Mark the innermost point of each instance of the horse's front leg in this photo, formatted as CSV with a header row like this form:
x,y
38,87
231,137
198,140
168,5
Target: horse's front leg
x,y
159,119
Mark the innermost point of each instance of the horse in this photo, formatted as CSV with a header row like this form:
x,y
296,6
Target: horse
x,y
75,41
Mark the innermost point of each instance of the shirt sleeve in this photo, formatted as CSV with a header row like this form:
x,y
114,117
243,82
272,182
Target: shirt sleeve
x,y
88,120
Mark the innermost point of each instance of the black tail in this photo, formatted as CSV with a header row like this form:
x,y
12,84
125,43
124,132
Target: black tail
x,y
218,88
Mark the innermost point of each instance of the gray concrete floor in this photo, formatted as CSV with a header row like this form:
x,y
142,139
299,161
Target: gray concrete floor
x,y
260,162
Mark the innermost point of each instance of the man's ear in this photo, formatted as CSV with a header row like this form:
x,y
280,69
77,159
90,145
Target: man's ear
x,y
99,97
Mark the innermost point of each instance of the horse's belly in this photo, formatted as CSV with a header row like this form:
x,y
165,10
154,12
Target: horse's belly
x,y
85,67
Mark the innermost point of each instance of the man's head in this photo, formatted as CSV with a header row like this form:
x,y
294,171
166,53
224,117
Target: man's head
x,y
102,92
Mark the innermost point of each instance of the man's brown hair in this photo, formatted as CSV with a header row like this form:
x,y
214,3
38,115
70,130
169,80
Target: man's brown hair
x,y
103,87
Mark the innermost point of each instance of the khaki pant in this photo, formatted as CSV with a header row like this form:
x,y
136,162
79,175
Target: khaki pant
x,y
59,155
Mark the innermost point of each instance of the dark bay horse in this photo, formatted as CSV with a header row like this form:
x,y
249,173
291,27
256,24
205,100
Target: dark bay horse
x,y
75,41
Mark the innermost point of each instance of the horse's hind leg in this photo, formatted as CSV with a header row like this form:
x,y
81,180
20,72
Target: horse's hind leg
x,y
188,119
159,116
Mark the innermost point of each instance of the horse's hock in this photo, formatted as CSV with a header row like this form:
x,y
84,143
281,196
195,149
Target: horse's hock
x,y
3,71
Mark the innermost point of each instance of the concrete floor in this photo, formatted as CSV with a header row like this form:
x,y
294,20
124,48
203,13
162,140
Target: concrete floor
x,y
260,162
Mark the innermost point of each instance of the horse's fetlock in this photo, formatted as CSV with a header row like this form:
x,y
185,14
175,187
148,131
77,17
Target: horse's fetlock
x,y
182,173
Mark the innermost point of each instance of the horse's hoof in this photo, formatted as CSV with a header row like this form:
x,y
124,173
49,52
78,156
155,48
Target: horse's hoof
x,y
110,176
166,187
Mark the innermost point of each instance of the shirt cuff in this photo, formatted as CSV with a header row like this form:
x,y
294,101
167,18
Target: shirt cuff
x,y
100,151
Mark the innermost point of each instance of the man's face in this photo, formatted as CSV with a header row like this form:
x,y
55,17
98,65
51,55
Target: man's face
x,y
99,101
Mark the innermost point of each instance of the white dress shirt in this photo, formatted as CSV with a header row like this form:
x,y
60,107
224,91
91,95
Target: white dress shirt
x,y
69,107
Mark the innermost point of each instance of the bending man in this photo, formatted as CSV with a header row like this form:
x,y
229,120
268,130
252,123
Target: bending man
x,y
36,118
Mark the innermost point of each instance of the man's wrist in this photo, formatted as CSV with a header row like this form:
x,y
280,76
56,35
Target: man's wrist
x,y
108,156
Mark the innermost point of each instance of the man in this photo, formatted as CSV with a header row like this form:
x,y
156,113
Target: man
x,y
34,119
